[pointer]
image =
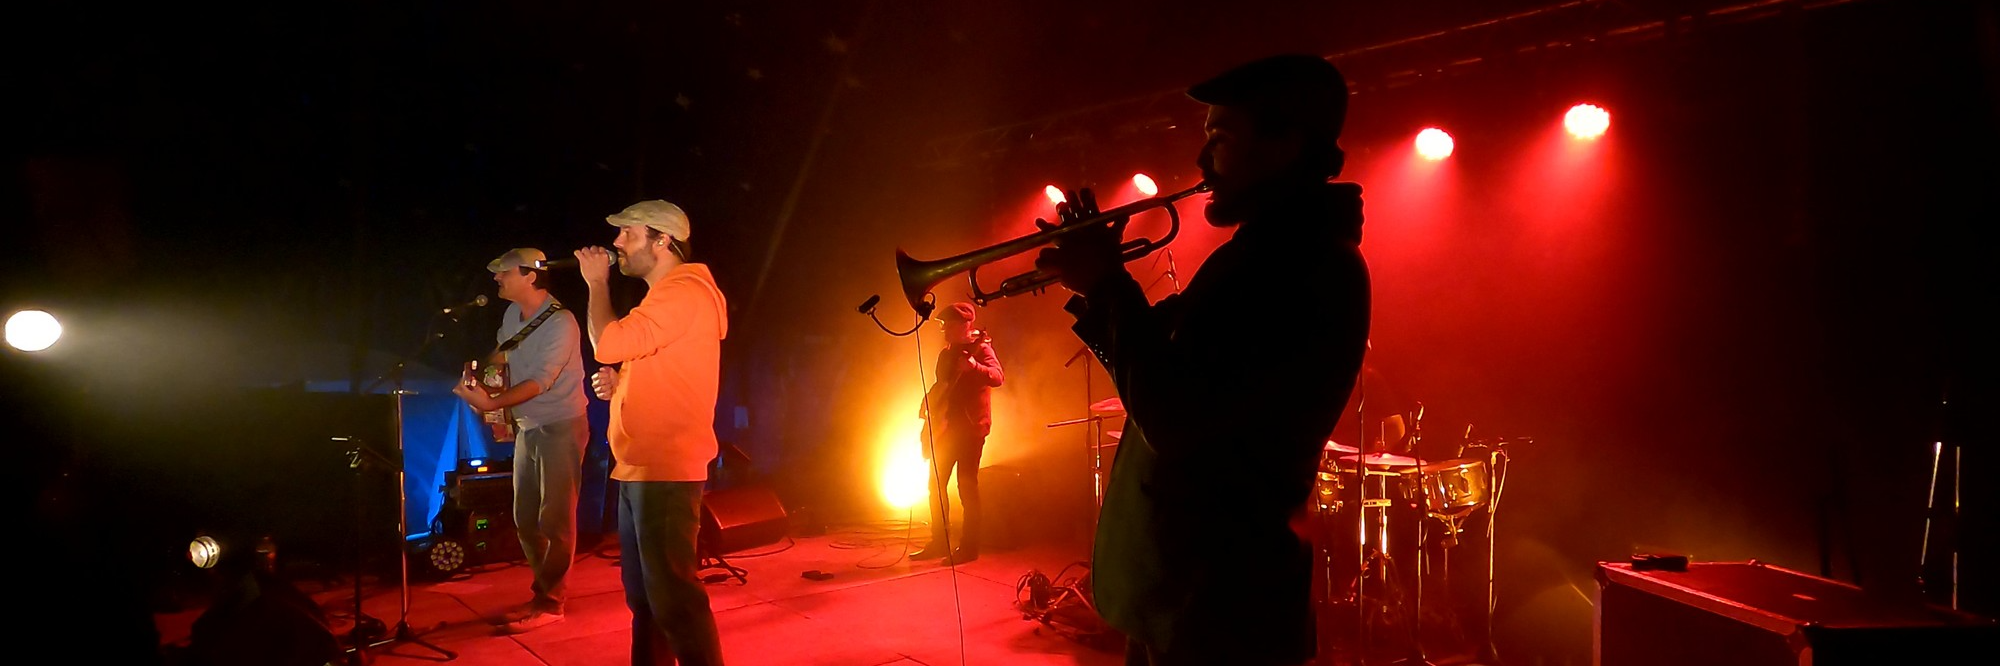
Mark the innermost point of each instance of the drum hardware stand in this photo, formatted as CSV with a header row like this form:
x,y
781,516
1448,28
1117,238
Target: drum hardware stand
x,y
1495,459
1930,514
1416,617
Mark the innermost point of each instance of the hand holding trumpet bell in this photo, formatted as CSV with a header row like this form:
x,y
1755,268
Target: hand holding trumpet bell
x,y
1083,259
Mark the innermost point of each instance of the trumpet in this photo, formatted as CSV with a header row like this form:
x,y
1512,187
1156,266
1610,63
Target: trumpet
x,y
919,277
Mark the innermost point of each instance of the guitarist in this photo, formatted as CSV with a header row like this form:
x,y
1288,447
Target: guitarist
x,y
539,347
960,414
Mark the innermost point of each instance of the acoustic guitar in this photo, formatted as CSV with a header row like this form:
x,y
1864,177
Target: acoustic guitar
x,y
492,378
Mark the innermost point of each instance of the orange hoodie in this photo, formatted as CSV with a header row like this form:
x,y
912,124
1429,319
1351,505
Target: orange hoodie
x,y
663,411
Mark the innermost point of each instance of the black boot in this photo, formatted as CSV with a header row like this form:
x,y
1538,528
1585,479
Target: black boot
x,y
965,553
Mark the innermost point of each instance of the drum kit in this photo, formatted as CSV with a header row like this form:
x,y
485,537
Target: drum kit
x,y
1369,505
1366,507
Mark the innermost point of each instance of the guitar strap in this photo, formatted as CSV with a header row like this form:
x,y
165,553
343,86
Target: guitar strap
x,y
554,307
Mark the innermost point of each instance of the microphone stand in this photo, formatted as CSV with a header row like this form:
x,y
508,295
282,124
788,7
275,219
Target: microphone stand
x,y
357,653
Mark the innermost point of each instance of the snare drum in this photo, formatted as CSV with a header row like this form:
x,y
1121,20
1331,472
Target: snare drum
x,y
1453,488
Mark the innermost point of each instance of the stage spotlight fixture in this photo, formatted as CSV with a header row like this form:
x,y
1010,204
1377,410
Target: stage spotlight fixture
x,y
1587,121
33,330
204,552
1055,194
439,556
208,552
1145,184
1434,144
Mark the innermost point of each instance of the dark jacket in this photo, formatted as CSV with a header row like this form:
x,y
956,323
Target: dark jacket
x,y
1231,390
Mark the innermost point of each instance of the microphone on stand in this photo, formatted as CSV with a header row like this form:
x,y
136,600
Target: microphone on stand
x,y
477,301
869,305
1079,354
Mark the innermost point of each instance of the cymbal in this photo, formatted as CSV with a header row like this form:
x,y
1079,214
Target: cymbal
x,y
1384,460
1108,406
1338,447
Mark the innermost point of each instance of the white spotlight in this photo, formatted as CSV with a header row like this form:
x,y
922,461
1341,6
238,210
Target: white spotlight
x,y
1587,121
1434,144
1145,184
33,330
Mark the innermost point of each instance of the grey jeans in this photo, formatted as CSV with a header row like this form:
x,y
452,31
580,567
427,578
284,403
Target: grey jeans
x,y
548,468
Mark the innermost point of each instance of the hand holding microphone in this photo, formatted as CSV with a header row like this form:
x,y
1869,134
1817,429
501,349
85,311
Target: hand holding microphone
x,y
593,262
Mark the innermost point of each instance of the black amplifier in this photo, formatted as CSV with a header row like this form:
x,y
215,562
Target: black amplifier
x,y
490,491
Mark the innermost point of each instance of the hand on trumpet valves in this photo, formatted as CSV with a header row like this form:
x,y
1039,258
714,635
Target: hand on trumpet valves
x,y
1082,259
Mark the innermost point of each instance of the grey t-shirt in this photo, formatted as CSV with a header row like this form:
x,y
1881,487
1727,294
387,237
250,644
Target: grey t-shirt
x,y
550,356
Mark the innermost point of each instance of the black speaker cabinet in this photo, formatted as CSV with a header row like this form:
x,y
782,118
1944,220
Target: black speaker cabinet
x,y
490,491
1753,614
736,519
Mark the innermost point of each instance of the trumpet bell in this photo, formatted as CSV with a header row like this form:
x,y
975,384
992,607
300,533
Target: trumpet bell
x,y
919,277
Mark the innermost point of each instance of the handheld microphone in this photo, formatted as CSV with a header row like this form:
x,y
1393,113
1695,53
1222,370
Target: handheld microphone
x,y
567,262
477,301
869,304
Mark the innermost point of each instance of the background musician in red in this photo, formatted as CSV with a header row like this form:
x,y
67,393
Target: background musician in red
x,y
959,412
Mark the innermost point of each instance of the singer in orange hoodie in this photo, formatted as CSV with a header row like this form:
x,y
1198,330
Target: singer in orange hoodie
x,y
662,428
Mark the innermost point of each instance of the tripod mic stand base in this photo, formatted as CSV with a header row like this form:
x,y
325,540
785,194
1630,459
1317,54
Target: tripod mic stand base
x,y
403,634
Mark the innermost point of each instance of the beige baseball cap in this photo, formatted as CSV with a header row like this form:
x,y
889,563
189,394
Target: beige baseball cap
x,y
666,217
517,258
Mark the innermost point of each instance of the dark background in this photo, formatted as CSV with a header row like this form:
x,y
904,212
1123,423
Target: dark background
x,y
1734,330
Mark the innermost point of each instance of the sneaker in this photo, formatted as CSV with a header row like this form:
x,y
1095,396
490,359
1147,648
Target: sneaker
x,y
964,554
516,613
535,620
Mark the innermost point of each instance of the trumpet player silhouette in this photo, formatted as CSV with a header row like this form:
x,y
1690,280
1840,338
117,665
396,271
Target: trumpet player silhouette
x,y
1164,572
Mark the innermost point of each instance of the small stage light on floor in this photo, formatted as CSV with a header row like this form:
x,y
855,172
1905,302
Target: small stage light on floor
x,y
208,551
254,616
439,556
33,330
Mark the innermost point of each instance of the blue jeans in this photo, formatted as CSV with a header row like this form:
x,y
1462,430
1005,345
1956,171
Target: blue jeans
x,y
671,620
548,467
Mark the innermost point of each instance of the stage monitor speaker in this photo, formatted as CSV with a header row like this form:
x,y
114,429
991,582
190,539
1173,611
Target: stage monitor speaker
x,y
736,519
1753,614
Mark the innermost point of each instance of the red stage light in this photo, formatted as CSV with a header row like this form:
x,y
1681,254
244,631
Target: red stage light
x,y
1587,121
1145,184
1055,194
1434,144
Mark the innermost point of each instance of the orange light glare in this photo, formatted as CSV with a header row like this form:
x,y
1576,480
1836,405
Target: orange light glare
x,y
1586,121
1145,184
905,475
1434,144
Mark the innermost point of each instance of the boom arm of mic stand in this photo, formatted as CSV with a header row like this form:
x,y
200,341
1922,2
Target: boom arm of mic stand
x,y
395,372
